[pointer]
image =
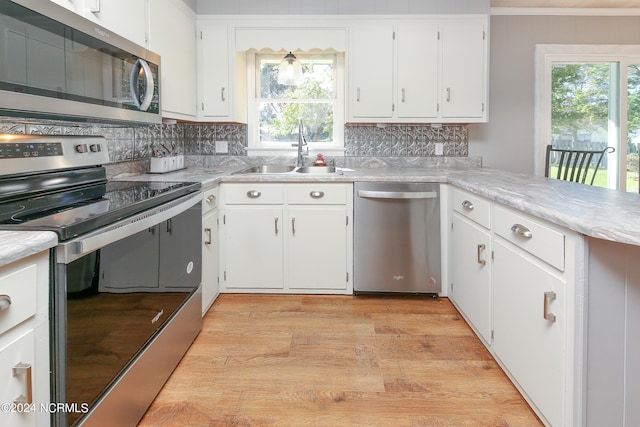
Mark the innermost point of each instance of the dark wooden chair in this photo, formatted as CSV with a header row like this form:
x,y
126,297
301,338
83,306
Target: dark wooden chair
x,y
573,165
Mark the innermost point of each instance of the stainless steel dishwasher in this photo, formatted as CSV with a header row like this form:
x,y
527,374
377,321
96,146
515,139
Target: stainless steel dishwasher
x,y
396,237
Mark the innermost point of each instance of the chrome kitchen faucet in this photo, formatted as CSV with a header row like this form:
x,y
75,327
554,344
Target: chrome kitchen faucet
x,y
301,142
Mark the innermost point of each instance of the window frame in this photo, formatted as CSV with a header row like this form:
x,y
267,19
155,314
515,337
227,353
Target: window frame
x,y
256,147
545,57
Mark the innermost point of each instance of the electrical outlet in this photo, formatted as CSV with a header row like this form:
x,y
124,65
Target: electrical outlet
x,y
439,148
222,147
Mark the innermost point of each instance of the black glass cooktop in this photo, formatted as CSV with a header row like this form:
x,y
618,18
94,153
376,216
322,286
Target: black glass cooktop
x,y
71,212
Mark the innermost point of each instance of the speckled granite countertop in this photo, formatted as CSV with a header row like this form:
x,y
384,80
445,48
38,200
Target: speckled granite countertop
x,y
15,245
592,211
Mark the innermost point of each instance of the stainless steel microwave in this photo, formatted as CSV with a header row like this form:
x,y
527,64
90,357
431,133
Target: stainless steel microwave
x,y
57,64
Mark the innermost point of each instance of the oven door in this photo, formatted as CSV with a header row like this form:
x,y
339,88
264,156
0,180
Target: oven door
x,y
118,292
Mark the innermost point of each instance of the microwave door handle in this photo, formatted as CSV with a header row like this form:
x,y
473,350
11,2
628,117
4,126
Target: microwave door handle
x,y
148,93
141,64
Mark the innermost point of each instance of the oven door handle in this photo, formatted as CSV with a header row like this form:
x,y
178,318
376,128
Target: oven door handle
x,y
73,249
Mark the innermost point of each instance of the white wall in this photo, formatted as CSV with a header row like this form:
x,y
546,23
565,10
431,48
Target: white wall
x,y
339,7
507,141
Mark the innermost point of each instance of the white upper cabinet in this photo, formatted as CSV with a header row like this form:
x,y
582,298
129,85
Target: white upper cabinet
x,y
419,70
213,70
371,83
69,4
127,18
464,69
172,35
221,74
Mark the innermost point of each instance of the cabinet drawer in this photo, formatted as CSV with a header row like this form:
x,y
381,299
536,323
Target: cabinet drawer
x,y
533,236
18,287
209,199
317,194
254,194
472,206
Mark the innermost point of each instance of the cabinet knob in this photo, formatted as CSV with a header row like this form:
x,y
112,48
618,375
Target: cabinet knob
x,y
468,205
522,231
316,194
5,302
211,198
253,194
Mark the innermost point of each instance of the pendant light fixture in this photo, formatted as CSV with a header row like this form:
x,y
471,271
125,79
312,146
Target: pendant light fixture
x,y
290,70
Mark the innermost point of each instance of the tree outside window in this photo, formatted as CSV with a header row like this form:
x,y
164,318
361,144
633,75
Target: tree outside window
x,y
281,107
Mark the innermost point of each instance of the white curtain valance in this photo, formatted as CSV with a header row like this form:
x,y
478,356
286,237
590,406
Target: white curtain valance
x,y
291,39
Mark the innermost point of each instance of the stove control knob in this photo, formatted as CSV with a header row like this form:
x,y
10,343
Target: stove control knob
x,y
81,148
95,148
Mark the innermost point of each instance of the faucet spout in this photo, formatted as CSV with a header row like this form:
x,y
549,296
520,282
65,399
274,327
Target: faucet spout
x,y
301,142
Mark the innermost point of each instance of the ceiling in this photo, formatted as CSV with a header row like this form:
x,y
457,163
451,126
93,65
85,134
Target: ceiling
x,y
567,3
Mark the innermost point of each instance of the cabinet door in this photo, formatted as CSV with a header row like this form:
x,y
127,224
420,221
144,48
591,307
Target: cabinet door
x,y
127,18
173,36
20,353
317,247
372,71
471,277
210,252
72,5
214,71
463,69
530,346
253,247
417,70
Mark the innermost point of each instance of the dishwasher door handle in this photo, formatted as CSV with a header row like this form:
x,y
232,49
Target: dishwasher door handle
x,y
397,194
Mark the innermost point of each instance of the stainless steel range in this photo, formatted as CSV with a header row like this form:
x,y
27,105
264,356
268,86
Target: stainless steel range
x,y
125,295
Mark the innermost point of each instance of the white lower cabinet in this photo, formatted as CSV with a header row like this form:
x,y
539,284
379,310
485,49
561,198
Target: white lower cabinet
x,y
24,342
471,279
210,248
286,238
529,328
253,247
514,280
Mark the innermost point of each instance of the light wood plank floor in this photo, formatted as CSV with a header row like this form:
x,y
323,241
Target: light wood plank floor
x,y
294,360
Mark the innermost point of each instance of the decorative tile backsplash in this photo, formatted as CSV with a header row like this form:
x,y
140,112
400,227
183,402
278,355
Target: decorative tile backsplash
x,y
405,140
126,143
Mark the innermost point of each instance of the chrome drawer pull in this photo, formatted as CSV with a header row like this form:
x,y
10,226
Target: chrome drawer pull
x,y
293,225
481,247
5,302
208,231
548,298
317,194
253,194
27,397
211,198
468,205
276,224
521,230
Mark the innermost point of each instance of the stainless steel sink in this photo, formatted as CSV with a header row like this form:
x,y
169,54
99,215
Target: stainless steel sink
x,y
266,169
316,169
